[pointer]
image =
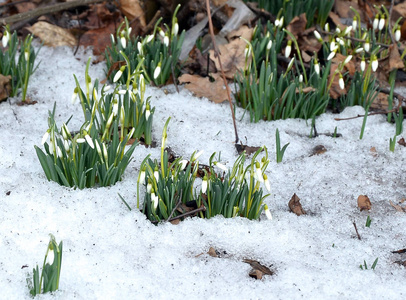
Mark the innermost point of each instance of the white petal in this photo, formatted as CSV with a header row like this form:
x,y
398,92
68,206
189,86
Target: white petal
x,y
157,72
45,137
89,141
117,76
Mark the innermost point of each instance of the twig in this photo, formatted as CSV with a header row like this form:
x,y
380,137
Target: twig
x,y
389,20
356,230
45,10
217,54
176,206
202,208
151,24
370,114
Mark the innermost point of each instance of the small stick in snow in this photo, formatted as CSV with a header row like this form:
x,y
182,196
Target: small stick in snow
x,y
356,230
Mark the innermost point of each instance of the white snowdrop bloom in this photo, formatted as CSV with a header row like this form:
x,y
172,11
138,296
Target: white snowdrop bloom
x,y
291,63
122,115
142,177
397,34
362,65
338,30
327,27
139,47
354,23
376,22
220,166
204,185
129,31
359,50
281,21
277,23
118,74
65,132
267,212
50,257
269,45
105,154
149,38
333,46
58,152
175,29
45,137
147,113
94,94
27,54
166,41
66,145
381,22
347,30
340,41
142,83
156,175
80,140
112,39
161,33
74,96
157,71
374,63
288,49
341,82
300,78
197,155
183,164
331,55
317,67
122,92
149,188
5,39
318,36
123,42
367,46
98,148
267,184
115,108
89,141
154,200
258,172
247,51
347,59
110,120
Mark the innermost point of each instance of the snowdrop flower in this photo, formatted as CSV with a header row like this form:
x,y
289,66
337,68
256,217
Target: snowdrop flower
x,y
65,132
45,137
281,22
122,92
50,255
300,78
27,54
122,115
94,94
115,107
204,185
89,141
381,22
269,45
359,50
98,149
105,154
175,29
376,22
75,95
327,27
157,71
66,145
340,41
80,140
316,66
58,152
149,187
374,63
183,164
161,33
338,30
333,46
123,41
197,155
288,49
220,166
118,74
341,82
347,59
156,175
247,51
354,23
142,176
139,47
290,65
149,38
110,120
6,38
367,46
318,36
166,41
267,184
154,199
397,34
147,112
258,172
362,65
277,23
331,55
267,212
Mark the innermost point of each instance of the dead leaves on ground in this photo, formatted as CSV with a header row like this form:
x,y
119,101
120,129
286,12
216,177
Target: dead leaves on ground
x,y
5,87
295,206
363,202
52,35
205,87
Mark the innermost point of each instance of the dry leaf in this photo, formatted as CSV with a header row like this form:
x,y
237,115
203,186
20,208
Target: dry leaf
x,y
98,38
52,35
373,152
203,87
5,87
395,62
212,252
335,89
336,20
295,205
257,266
298,25
380,102
350,66
402,142
317,150
257,274
132,10
398,207
248,149
364,203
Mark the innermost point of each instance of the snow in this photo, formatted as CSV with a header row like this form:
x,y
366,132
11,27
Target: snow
x,y
113,253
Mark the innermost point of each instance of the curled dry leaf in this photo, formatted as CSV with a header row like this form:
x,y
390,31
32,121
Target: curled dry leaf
x,y
395,62
257,266
295,205
248,149
132,10
402,142
203,87
317,150
298,25
212,252
373,152
52,35
364,203
397,207
5,87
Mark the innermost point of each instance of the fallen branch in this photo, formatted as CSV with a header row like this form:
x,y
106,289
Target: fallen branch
x,y
43,10
192,212
370,114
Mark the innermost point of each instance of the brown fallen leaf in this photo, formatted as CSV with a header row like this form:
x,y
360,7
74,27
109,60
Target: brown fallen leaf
x,y
397,207
319,149
203,87
373,152
132,10
212,252
297,25
5,87
248,149
257,266
380,102
364,203
402,142
52,35
395,62
295,205
257,274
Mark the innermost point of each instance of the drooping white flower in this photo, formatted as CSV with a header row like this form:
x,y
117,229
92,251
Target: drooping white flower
x,y
374,64
110,120
58,152
267,184
161,33
142,177
341,82
316,67
50,256
247,51
65,132
267,212
183,163
327,27
123,41
318,36
139,47
221,166
347,59
45,137
149,38
157,71
381,22
300,78
269,45
98,148
354,23
115,108
89,141
258,172
66,145
281,22
105,154
149,187
155,200
156,175
118,74
26,54
397,34
122,92
367,46
204,185
288,49
74,95
166,41
175,29
376,22
80,140
340,41
122,115
333,46
362,65
359,50
331,55
147,112
197,155
5,39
